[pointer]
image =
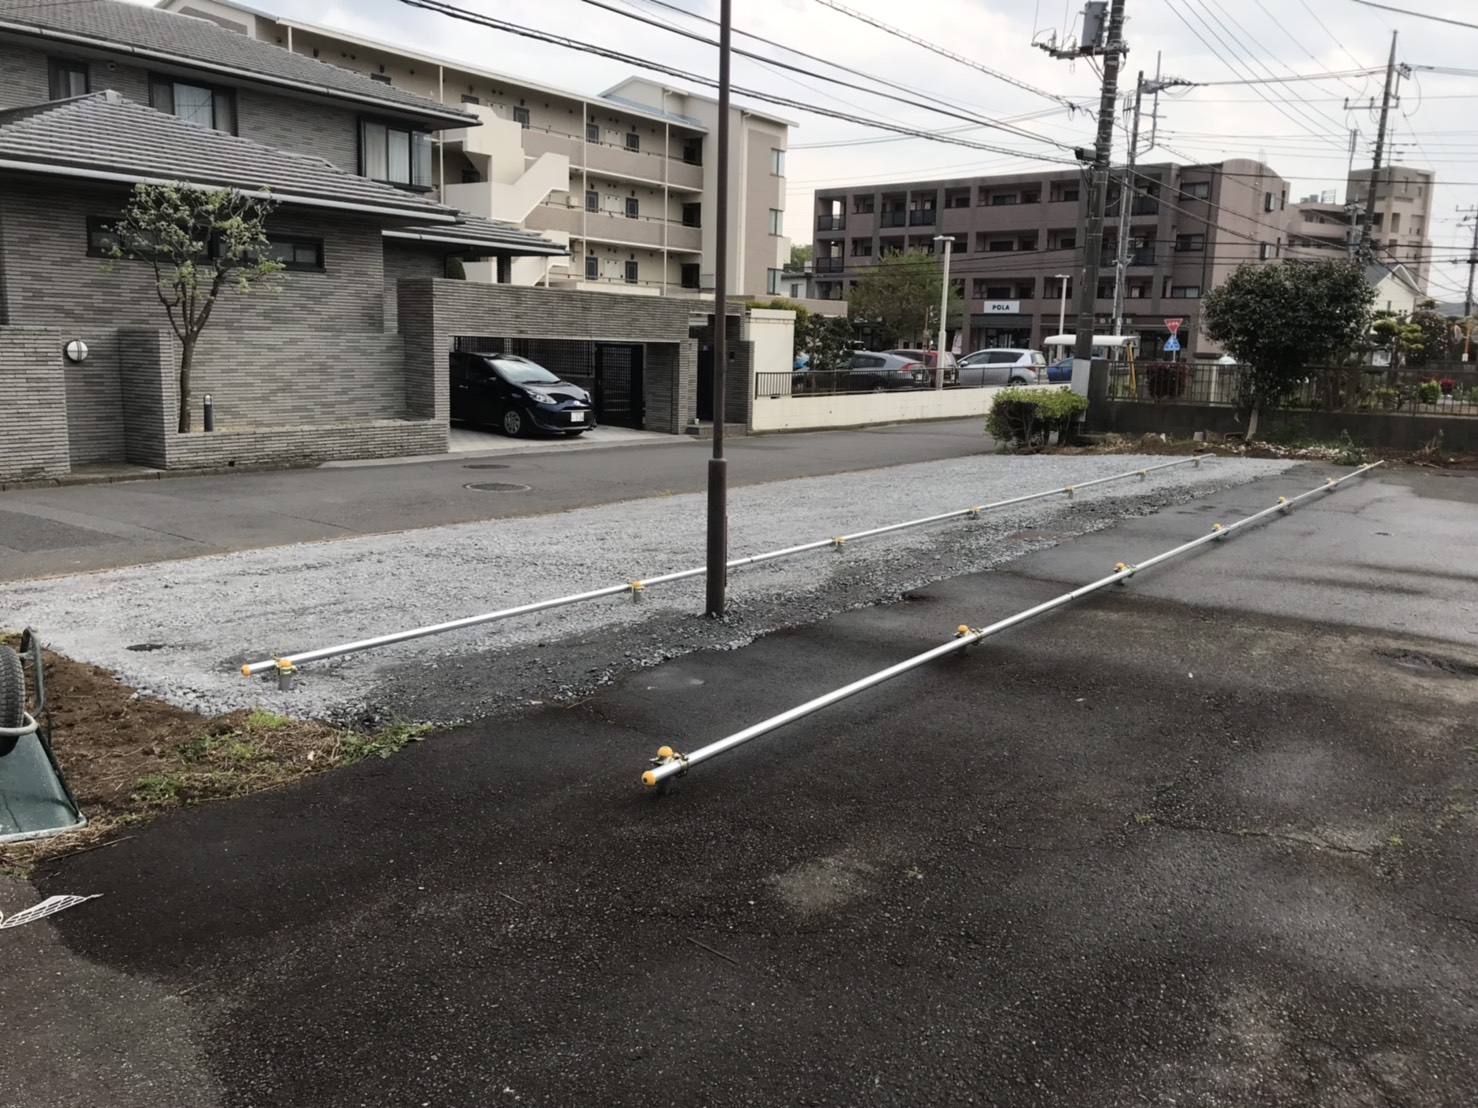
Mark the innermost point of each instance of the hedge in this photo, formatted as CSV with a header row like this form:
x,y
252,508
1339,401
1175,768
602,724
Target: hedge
x,y
1028,416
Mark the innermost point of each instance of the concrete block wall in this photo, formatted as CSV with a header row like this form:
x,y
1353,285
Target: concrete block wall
x,y
33,404
94,399
405,260
306,445
147,367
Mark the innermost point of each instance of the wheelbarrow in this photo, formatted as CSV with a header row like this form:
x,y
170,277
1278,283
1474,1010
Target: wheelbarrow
x,y
35,801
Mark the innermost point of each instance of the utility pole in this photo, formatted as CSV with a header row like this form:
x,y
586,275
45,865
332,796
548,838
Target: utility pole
x,y
1127,189
1472,259
1367,251
1112,49
717,573
948,242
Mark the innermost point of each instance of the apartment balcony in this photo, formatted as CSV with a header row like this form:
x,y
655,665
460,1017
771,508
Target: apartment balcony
x,y
921,218
831,223
894,219
512,185
828,265
653,232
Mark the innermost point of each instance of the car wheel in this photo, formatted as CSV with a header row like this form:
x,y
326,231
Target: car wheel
x,y
880,387
12,697
515,423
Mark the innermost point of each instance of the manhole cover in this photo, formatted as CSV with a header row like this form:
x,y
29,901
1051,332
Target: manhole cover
x,y
486,465
1430,665
497,486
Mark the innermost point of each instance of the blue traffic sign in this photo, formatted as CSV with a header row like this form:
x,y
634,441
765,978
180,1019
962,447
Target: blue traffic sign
x,y
1172,344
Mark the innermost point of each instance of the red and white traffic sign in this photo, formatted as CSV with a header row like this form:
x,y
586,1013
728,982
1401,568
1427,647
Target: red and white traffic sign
x,y
1173,325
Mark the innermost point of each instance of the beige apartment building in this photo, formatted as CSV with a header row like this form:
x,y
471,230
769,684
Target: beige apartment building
x,y
1017,245
1403,216
625,178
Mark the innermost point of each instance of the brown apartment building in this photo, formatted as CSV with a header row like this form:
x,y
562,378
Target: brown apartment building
x,y
1318,226
1018,238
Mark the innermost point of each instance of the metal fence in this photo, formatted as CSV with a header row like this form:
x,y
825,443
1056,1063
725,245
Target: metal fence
x,y
1438,390
823,383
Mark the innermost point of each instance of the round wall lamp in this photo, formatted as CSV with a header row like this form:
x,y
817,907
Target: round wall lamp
x,y
76,351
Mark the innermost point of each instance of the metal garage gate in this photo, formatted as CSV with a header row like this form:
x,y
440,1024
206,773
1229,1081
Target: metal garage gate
x,y
610,371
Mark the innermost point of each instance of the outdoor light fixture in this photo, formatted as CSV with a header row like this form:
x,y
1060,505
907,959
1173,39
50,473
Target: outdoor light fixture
x,y
76,351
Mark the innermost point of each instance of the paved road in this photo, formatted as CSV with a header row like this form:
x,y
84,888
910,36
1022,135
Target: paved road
x,y
48,531
1204,840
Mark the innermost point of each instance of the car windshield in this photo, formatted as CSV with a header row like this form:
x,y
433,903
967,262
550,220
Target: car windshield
x,y
523,372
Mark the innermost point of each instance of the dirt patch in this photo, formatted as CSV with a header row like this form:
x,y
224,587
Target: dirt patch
x,y
129,757
1429,457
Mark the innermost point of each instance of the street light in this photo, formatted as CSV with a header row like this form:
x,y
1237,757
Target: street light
x,y
949,245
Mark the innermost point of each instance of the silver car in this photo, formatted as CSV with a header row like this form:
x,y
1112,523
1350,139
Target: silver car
x,y
1003,366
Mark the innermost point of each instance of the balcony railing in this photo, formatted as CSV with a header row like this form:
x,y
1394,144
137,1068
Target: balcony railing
x,y
829,265
831,223
921,218
1144,205
895,219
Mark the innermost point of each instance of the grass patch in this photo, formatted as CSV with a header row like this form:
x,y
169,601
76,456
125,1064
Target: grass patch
x,y
262,720
381,744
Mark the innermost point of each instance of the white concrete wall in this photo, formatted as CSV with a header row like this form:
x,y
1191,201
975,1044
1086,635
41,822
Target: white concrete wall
x,y
812,411
773,335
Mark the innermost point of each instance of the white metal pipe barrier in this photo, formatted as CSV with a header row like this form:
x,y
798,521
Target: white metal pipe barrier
x,y
669,763
286,665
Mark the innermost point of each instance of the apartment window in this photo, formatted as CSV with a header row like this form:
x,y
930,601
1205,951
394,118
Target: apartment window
x,y
301,254
395,153
380,78
1000,246
862,248
592,267
1026,243
1031,196
633,141
692,215
998,292
1026,290
1196,190
200,104
101,238
689,275
631,273
468,98
693,151
977,288
1269,202
777,163
1067,242
633,207
68,79
1185,243
521,116
470,176
862,205
1003,199
592,200
1264,251
772,282
1185,292
592,132
777,221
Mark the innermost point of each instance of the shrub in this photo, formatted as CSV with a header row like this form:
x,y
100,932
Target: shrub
x,y
1448,384
1429,391
1028,416
1165,380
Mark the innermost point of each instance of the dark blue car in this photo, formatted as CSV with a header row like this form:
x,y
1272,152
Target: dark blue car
x,y
1060,372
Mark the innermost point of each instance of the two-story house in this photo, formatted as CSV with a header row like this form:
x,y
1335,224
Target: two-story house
x,y
96,97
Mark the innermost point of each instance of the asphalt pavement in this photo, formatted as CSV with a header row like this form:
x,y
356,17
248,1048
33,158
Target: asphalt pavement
x,y
76,529
1206,839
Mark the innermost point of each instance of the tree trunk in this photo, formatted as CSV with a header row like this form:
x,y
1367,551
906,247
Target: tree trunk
x,y
1252,425
187,355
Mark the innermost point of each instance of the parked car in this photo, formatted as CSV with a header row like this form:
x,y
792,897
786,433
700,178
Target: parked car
x,y
1003,366
929,359
520,396
1060,372
863,371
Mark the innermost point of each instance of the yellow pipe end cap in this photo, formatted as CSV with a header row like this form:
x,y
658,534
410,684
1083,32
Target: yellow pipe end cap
x,y
283,663
1282,500
1217,527
649,779
840,540
962,629
246,671
664,752
1068,488
1120,567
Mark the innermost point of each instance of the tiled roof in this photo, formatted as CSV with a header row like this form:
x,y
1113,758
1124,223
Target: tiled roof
x,y
474,230
199,44
105,137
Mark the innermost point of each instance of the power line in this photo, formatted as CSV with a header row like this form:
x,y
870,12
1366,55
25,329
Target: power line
x,y
1417,15
941,51
655,67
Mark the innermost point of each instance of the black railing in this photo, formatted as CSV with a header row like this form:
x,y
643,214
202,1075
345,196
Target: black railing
x,y
1144,205
840,382
921,218
831,223
829,265
895,219
1436,391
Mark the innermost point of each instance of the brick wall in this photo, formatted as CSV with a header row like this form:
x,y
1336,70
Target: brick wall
x,y
307,445
434,312
33,404
405,260
146,362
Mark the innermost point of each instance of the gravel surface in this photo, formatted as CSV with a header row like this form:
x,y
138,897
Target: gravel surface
x,y
181,630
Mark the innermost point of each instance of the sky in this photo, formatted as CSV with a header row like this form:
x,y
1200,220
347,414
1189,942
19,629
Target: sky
x,y
1301,129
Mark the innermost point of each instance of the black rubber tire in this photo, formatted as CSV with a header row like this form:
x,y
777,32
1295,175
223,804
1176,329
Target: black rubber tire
x,y
880,388
573,434
514,423
12,696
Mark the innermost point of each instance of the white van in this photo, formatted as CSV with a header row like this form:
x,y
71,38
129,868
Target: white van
x,y
1114,348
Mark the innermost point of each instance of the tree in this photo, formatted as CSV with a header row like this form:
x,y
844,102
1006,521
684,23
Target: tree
x,y
825,339
1403,338
200,243
1436,332
1279,321
799,256
899,297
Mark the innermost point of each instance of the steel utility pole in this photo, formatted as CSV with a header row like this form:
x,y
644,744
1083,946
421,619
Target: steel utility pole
x,y
718,473
1112,50
948,242
1471,216
1367,251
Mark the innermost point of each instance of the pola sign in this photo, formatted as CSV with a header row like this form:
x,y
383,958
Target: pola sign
x,y
1001,307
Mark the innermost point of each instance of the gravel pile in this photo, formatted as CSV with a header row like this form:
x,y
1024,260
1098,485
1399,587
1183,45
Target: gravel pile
x,y
181,630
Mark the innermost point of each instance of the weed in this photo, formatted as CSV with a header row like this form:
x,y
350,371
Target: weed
x,y
249,750
914,872
157,788
382,744
198,748
1143,818
263,720
1396,840
1348,453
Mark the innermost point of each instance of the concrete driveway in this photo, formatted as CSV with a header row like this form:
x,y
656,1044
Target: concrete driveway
x,y
1204,840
